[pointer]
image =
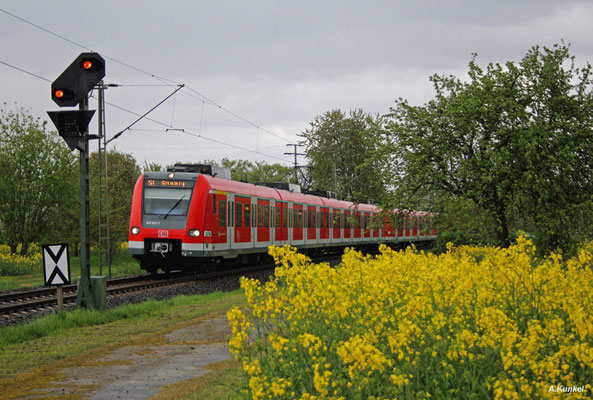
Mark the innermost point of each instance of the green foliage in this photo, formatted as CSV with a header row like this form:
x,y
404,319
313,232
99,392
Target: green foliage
x,y
255,172
152,167
461,221
54,323
38,182
514,140
338,147
16,264
122,173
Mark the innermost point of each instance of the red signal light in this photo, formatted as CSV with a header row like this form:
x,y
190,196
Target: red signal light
x,y
87,64
59,93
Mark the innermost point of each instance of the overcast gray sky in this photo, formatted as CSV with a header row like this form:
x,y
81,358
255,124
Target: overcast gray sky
x,y
256,72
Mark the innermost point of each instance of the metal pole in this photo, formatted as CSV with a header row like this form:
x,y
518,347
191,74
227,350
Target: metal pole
x,y
84,298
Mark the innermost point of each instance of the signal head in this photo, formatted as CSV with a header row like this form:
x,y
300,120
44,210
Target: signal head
x,y
74,84
61,95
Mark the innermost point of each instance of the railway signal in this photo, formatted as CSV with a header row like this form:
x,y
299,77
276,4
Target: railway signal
x,y
75,83
70,89
71,125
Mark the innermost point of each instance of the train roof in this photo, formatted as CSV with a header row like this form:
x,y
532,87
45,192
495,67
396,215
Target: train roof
x,y
248,189
251,189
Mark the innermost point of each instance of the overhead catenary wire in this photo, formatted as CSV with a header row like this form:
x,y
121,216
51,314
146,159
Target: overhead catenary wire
x,y
169,128
164,80
118,134
25,71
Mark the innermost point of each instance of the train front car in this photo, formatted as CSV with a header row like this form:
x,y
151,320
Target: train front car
x,y
167,220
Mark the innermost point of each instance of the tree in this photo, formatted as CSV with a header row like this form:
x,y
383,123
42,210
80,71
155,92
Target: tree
x,y
338,147
38,179
515,140
122,173
255,172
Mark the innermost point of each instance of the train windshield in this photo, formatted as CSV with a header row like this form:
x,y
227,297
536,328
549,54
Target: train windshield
x,y
166,201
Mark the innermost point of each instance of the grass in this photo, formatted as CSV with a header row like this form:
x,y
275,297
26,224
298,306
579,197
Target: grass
x,y
33,354
123,264
220,383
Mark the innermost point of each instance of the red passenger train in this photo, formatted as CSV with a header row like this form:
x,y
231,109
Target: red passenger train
x,y
191,218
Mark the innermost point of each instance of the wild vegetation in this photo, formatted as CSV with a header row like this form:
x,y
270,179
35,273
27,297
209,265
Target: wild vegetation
x,y
474,322
512,143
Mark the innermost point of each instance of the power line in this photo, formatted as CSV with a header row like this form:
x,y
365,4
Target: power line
x,y
198,135
25,71
143,115
166,81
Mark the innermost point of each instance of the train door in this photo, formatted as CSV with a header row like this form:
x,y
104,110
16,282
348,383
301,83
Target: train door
x,y
218,233
357,224
400,225
376,225
336,225
414,225
253,212
324,224
421,226
281,222
347,224
366,232
297,222
263,220
230,221
242,223
407,226
311,224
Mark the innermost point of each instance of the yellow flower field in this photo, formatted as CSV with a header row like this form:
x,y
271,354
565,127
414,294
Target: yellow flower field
x,y
473,323
15,264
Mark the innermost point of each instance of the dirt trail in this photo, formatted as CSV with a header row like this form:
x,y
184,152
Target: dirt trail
x,y
137,372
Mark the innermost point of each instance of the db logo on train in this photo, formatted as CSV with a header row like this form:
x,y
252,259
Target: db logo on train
x,y
163,234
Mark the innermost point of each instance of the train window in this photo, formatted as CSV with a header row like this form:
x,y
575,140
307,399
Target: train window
x,y
260,215
285,218
300,218
254,215
247,215
168,201
229,221
221,213
213,203
238,214
266,216
295,218
278,216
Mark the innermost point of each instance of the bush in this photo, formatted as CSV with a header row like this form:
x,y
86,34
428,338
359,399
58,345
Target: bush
x,y
14,265
470,323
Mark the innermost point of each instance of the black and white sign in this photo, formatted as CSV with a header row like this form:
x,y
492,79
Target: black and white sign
x,y
56,264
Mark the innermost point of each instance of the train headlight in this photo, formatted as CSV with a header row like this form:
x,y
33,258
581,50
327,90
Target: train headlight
x,y
193,232
135,230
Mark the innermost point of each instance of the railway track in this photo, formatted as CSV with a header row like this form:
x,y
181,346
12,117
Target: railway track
x,y
42,299
45,298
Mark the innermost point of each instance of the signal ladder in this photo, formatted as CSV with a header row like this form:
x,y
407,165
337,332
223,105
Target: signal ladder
x,y
104,238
